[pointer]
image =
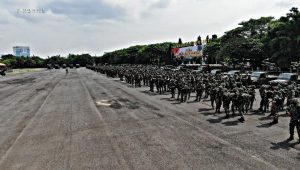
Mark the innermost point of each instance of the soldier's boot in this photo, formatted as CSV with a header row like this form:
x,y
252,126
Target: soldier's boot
x,y
196,98
233,111
291,138
265,109
275,121
218,109
227,116
212,104
271,114
242,119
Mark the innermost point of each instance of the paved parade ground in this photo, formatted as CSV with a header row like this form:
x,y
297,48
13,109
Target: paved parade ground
x,y
84,120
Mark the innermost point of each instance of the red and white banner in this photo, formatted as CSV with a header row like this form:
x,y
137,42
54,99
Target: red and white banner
x,y
188,52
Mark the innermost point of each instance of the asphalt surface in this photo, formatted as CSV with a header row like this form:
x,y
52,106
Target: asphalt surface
x,y
84,120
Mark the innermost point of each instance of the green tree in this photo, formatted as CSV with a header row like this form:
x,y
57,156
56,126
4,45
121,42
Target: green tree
x,y
283,40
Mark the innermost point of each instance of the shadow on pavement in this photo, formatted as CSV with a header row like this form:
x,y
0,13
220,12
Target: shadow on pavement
x,y
204,109
155,93
283,145
258,113
265,118
176,103
149,93
231,123
265,125
192,102
116,105
218,120
168,99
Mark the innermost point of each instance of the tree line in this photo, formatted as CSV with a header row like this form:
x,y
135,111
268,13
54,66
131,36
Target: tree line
x,y
140,54
258,40
12,61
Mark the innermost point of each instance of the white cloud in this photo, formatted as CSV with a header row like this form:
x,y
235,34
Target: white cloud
x,y
96,26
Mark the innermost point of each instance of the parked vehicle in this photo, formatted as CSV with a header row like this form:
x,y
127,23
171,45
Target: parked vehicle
x,y
71,65
64,66
192,66
261,77
77,65
215,71
285,79
49,66
56,66
3,69
210,67
232,73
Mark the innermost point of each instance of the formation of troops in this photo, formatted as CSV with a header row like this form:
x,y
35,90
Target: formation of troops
x,y
234,93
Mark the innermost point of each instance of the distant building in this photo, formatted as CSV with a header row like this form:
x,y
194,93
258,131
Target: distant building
x,y
21,51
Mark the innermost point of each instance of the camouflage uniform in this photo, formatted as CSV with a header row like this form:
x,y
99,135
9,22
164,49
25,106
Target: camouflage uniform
x,y
294,112
219,95
213,92
226,102
199,91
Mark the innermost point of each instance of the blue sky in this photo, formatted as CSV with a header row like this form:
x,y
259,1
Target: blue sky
x,y
98,26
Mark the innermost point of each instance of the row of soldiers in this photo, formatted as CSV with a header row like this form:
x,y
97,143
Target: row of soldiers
x,y
235,95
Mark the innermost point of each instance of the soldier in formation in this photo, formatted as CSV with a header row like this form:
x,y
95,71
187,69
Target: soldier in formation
x,y
234,93
294,113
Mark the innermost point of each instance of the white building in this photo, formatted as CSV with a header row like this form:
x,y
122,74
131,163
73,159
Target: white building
x,y
21,51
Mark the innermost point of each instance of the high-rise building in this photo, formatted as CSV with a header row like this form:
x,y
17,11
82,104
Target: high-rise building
x,y
21,51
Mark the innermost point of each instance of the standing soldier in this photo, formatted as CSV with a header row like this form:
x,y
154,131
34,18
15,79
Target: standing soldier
x,y
252,98
226,102
199,91
207,89
234,99
212,96
294,113
172,87
274,110
276,104
218,99
179,88
290,94
152,80
240,106
264,99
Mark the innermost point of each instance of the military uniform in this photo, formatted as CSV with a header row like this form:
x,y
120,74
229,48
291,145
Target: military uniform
x,y
219,95
264,99
212,96
226,102
252,98
240,106
294,113
199,91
